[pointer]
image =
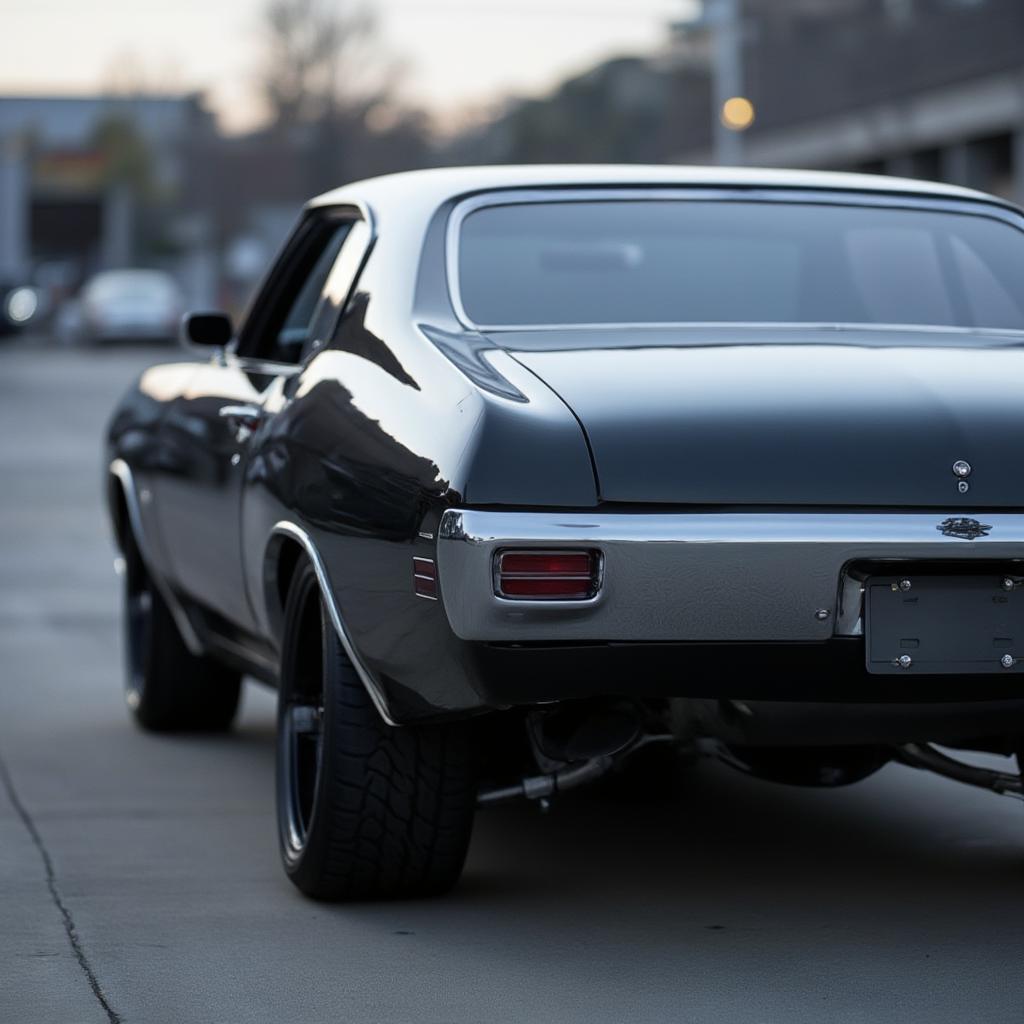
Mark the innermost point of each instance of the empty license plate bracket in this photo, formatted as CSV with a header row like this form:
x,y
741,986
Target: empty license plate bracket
x,y
949,625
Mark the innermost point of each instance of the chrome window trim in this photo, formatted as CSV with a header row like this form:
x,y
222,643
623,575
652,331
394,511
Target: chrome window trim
x,y
284,528
693,193
120,470
714,577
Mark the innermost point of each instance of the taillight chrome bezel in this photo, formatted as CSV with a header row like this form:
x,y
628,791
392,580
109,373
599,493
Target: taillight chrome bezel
x,y
593,576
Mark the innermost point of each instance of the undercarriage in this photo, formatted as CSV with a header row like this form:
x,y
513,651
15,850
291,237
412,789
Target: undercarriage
x,y
579,743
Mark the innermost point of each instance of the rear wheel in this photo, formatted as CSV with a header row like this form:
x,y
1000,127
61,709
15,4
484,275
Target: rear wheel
x,y
365,810
168,688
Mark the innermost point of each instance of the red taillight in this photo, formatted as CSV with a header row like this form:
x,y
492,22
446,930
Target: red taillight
x,y
547,575
545,563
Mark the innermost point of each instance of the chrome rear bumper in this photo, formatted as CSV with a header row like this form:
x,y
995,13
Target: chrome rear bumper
x,y
698,577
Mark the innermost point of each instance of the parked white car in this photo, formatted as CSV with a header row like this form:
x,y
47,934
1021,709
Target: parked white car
x,y
123,305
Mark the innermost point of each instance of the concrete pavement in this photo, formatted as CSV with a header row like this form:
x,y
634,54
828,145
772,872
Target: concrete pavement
x,y
894,900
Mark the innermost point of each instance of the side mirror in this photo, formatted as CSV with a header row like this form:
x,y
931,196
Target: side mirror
x,y
206,330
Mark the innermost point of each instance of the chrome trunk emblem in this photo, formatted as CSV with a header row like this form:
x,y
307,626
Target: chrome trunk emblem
x,y
963,528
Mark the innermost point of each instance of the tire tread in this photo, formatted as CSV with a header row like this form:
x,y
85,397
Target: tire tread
x,y
395,804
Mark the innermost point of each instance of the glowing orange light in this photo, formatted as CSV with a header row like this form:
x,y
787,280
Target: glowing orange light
x,y
737,113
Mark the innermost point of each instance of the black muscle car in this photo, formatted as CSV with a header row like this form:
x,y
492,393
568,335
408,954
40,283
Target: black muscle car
x,y
513,473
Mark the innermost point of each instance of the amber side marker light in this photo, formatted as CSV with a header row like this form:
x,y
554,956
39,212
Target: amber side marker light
x,y
547,575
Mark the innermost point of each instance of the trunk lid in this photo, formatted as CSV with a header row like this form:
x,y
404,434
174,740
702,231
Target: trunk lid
x,y
872,418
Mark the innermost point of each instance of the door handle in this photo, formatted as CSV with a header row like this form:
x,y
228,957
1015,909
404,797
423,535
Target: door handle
x,y
243,418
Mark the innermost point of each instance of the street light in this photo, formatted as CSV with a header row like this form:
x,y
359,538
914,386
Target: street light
x,y
737,114
721,21
734,113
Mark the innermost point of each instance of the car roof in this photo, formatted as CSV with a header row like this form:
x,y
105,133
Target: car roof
x,y
435,186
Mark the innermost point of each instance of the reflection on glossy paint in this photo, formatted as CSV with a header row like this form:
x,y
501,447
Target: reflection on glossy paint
x,y
347,470
167,381
355,337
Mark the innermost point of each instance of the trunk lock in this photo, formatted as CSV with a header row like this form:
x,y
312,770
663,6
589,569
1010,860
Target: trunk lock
x,y
962,470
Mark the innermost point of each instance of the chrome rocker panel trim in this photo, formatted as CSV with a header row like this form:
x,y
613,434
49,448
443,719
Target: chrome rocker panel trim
x,y
696,576
288,529
123,473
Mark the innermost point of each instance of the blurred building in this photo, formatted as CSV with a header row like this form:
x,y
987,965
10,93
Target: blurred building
x,y
93,182
924,88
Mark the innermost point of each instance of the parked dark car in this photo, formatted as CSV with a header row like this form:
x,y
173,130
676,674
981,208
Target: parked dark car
x,y
511,473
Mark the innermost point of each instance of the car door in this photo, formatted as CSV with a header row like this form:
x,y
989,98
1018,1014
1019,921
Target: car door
x,y
208,429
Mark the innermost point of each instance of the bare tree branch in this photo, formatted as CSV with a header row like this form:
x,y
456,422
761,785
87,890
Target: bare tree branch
x,y
319,60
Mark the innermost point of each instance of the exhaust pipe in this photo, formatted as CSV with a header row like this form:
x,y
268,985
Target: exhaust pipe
x,y
540,787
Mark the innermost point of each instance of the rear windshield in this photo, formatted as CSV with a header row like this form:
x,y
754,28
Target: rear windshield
x,y
679,261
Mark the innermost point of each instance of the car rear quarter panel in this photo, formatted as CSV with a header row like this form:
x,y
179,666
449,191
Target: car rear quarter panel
x,y
365,450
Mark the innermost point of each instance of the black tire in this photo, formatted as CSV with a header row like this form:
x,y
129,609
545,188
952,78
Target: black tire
x,y
167,688
365,810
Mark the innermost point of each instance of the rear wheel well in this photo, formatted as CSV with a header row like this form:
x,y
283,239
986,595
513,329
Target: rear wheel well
x,y
119,517
284,558
287,562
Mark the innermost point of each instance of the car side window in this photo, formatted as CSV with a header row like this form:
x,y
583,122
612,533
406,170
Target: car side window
x,y
338,287
289,339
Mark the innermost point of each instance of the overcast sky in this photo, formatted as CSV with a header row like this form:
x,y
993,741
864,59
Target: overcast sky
x,y
457,53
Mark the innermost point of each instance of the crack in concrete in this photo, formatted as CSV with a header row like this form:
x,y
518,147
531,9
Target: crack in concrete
x,y
51,884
